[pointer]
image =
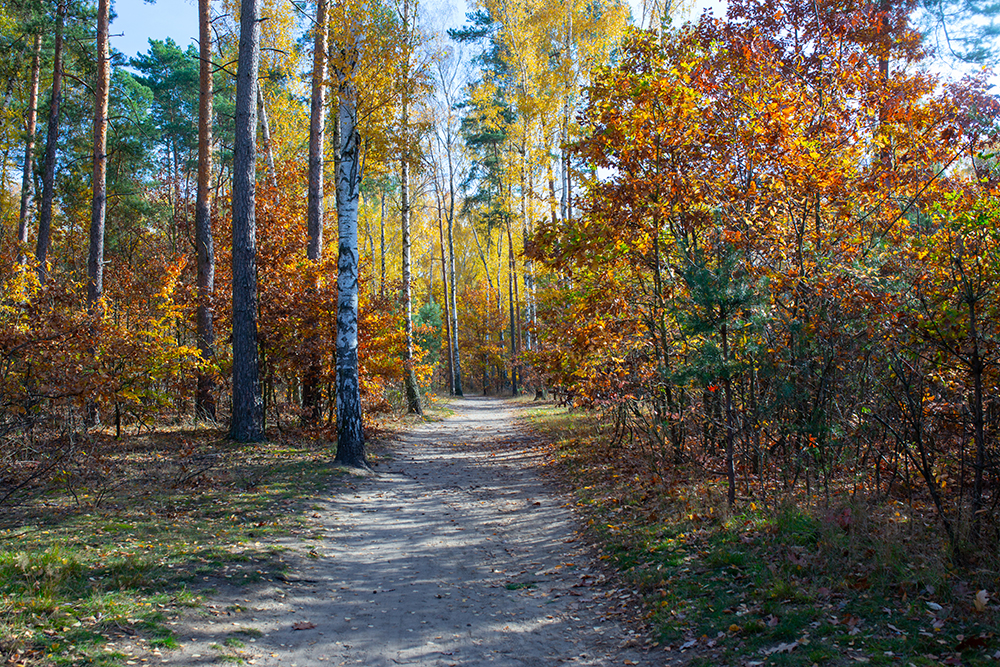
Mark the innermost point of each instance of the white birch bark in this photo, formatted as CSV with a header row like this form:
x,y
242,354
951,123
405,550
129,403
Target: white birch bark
x,y
409,376
95,257
350,435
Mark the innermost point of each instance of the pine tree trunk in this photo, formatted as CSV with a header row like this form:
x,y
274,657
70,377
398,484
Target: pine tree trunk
x,y
95,257
314,249
204,401
247,418
51,142
350,433
29,148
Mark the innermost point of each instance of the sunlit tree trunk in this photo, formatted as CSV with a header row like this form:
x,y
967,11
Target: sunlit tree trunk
x,y
247,418
314,204
409,376
515,389
95,257
29,148
204,401
265,135
456,356
51,142
444,292
350,434
381,241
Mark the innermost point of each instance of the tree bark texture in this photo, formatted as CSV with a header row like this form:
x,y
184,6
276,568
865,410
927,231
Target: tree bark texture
x,y
409,376
204,402
265,135
447,304
314,203
51,141
95,257
457,368
317,130
247,417
350,433
23,219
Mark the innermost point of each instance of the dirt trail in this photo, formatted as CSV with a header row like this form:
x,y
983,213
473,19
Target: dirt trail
x,y
454,553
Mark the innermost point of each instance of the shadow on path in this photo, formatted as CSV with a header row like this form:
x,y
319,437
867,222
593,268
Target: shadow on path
x,y
454,553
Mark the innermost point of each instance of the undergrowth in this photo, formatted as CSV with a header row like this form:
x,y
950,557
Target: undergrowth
x,y
93,573
806,581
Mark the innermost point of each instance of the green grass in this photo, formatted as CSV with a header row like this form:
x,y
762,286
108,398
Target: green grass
x,y
77,575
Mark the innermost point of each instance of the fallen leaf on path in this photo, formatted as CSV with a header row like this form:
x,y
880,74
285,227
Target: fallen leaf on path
x,y
982,597
782,648
303,625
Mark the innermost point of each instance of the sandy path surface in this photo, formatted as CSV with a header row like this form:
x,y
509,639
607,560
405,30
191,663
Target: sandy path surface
x,y
453,553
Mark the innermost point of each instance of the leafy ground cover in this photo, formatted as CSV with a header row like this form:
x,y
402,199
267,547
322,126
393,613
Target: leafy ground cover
x,y
808,581
96,563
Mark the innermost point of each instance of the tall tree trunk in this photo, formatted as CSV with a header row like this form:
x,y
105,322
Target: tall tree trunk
x,y
314,249
381,241
51,141
350,433
204,400
409,376
529,268
29,148
265,135
730,420
457,368
247,423
447,305
95,257
515,390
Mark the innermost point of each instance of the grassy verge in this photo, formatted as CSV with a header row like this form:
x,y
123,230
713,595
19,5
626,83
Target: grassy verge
x,y
96,566
803,583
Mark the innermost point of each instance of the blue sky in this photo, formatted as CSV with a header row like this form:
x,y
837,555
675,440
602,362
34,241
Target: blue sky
x,y
138,21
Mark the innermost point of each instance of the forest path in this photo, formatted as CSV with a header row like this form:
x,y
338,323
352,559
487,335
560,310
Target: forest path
x,y
454,553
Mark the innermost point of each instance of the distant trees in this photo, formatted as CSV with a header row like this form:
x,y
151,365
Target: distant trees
x,y
767,255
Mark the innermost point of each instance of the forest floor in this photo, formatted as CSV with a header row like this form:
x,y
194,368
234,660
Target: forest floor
x,y
454,552
477,539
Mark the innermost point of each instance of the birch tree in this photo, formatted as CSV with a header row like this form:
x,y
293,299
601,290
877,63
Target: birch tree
x,y
409,376
350,432
95,259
